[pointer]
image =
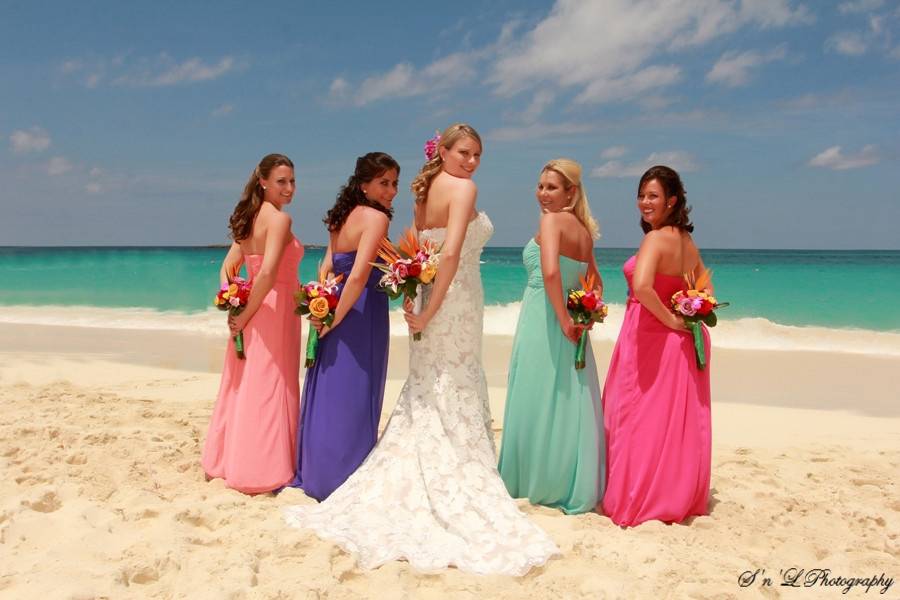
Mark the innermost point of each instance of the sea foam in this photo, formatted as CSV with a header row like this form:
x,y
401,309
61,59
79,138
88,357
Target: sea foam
x,y
742,333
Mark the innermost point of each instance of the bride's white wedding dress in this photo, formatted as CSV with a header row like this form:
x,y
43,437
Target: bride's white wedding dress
x,y
429,492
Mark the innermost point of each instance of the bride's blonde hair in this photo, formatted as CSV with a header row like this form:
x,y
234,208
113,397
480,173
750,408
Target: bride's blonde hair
x,y
570,171
422,183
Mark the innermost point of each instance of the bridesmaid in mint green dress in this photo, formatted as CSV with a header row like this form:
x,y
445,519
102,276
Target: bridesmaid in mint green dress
x,y
553,449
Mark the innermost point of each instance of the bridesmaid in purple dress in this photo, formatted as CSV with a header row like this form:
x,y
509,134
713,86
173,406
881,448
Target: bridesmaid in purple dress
x,y
343,391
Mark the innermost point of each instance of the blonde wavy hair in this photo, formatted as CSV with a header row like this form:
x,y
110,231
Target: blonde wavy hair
x,y
422,183
570,171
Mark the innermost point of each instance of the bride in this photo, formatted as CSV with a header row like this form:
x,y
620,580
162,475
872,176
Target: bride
x,y
429,492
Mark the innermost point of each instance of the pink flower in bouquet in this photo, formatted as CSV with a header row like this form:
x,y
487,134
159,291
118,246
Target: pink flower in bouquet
x,y
686,306
401,270
589,301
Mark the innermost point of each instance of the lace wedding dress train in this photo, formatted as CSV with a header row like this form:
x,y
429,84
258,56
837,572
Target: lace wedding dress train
x,y
429,492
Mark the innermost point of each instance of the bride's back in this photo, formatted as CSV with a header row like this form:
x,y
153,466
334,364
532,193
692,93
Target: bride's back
x,y
434,213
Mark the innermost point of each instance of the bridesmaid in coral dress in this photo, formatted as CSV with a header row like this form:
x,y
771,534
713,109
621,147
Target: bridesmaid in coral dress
x,y
252,437
656,402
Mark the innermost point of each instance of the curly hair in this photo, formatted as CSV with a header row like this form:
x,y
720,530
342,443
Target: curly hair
x,y
241,220
570,171
422,183
671,184
368,167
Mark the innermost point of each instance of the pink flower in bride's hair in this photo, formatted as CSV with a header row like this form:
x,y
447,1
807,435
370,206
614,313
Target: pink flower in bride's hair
x,y
431,146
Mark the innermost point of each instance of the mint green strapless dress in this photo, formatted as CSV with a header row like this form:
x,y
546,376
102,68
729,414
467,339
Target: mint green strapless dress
x,y
553,449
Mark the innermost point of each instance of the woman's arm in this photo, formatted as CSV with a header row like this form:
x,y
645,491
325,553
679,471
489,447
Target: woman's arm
x,y
327,265
648,258
231,265
375,227
461,207
279,228
594,272
551,233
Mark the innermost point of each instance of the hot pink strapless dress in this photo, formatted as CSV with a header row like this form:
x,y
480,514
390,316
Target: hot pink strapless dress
x,y
252,437
656,408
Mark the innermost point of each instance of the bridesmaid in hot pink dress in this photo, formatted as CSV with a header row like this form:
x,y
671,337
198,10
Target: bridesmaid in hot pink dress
x,y
656,402
252,437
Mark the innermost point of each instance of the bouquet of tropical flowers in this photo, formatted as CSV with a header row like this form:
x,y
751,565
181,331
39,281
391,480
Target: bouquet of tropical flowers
x,y
586,308
317,299
407,267
233,297
696,305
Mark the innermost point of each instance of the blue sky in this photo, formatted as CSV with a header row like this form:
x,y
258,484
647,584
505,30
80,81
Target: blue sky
x,y
137,123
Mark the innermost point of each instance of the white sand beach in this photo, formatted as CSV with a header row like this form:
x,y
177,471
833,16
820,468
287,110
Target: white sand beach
x,y
103,496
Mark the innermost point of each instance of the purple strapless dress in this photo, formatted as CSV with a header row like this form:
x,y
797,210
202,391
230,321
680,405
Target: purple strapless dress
x,y
343,391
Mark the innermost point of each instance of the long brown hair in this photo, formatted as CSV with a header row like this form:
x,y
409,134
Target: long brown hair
x,y
241,221
368,167
422,183
671,184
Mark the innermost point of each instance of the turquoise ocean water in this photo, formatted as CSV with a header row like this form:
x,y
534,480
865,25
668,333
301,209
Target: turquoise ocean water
x,y
832,289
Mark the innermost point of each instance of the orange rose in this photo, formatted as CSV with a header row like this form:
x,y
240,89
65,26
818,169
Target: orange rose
x,y
318,307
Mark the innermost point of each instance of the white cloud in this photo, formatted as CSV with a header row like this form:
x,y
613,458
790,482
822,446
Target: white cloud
x,y
405,80
605,48
161,70
859,6
849,43
733,69
164,71
613,152
339,88
221,111
629,86
58,165
833,158
32,140
774,13
677,159
537,130
539,103
93,188
72,66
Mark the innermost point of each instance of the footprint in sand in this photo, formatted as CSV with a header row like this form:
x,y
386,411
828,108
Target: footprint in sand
x,y
100,439
47,503
78,458
193,518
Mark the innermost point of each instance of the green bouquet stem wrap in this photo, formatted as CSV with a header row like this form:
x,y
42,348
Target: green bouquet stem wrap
x,y
312,341
699,346
312,346
239,338
239,345
580,350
